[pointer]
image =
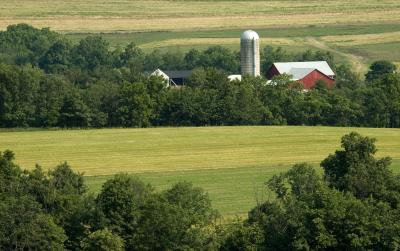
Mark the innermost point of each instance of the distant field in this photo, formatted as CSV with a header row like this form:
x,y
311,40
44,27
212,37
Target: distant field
x,y
148,15
357,32
231,163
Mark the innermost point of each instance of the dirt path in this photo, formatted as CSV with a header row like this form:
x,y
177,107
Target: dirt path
x,y
355,61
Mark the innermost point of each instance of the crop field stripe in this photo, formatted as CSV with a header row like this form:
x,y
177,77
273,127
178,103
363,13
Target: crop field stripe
x,y
125,15
233,192
101,24
107,151
231,163
342,40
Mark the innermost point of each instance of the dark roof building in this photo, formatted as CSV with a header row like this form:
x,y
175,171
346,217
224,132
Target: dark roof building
x,y
173,78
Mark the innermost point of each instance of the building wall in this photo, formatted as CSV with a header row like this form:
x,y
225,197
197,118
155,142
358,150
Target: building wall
x,y
310,80
250,57
272,72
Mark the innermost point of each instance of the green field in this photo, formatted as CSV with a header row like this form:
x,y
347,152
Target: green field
x,y
231,163
180,25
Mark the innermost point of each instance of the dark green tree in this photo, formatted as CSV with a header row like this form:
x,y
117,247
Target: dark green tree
x,y
355,169
183,217
270,55
246,108
390,85
103,240
346,78
24,223
309,215
49,99
61,194
153,61
192,59
220,58
341,111
23,226
173,60
379,69
91,52
191,106
240,236
24,44
57,58
10,174
18,90
102,100
135,106
74,112
131,57
121,200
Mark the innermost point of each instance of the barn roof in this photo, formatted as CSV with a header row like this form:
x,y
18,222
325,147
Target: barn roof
x,y
178,74
301,67
299,73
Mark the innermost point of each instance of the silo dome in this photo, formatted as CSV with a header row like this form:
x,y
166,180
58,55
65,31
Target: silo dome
x,y
249,34
250,53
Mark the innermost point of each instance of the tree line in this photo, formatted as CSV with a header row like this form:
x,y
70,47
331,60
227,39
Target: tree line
x,y
48,81
354,205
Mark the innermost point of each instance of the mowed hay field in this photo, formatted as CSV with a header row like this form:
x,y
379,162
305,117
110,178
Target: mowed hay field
x,y
231,163
356,32
176,15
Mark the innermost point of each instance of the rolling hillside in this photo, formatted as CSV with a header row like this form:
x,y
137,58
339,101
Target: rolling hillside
x,y
231,163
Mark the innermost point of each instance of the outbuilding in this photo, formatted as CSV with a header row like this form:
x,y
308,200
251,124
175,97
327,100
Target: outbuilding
x,y
173,78
307,73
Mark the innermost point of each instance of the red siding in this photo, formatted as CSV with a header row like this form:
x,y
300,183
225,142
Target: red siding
x,y
272,72
310,80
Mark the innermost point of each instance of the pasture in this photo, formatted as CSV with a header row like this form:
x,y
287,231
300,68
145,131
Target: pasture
x,y
231,163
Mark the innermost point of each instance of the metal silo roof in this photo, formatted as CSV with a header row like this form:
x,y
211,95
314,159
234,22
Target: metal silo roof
x,y
249,35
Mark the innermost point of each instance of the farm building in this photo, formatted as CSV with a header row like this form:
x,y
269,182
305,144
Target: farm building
x,y
173,78
307,73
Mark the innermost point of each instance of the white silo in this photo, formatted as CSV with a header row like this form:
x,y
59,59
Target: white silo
x,y
250,53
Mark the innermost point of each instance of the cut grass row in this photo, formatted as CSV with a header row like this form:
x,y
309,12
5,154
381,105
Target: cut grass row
x,y
139,38
233,192
231,163
107,151
172,8
125,15
338,40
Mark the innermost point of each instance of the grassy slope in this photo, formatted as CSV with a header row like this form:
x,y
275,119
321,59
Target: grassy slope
x,y
233,192
231,163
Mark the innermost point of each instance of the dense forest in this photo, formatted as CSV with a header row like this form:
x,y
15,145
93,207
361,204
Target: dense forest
x,y
354,205
48,81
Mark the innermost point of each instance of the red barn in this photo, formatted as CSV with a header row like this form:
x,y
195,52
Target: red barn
x,y
308,73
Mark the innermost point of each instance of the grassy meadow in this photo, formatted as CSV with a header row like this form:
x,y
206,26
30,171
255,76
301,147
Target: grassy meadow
x,y
355,32
231,163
